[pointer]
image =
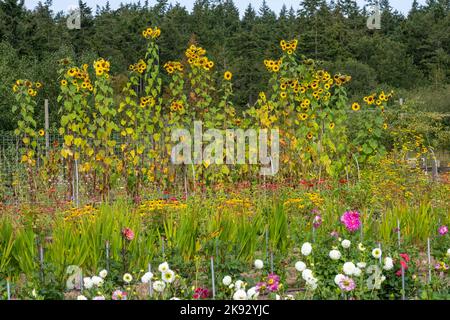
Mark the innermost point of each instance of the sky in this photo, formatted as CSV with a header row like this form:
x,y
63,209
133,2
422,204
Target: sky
x,y
62,5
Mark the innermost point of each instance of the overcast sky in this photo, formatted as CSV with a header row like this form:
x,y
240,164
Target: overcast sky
x,y
62,5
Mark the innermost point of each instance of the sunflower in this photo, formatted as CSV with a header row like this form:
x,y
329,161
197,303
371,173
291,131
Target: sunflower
x,y
41,132
15,88
283,86
276,68
307,102
309,136
385,126
38,85
303,116
356,106
72,72
30,92
283,95
64,83
228,75
262,96
332,125
370,99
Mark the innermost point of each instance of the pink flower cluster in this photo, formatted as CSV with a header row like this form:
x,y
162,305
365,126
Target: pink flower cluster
x,y
200,293
351,220
317,222
272,283
128,234
347,284
443,230
119,295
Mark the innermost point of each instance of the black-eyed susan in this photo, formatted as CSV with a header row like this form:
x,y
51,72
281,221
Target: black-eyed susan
x,y
41,132
228,76
283,95
385,126
309,136
332,125
356,106
38,85
15,88
64,83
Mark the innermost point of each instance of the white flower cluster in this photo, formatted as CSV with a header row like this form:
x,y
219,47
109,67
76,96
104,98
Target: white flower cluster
x,y
307,275
335,254
95,281
167,277
306,249
346,244
240,293
309,278
259,264
388,264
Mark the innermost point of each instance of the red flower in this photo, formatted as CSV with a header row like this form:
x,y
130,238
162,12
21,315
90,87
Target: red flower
x,y
404,263
405,257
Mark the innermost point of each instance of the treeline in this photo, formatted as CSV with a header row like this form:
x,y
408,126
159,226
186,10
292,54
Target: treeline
x,y
408,52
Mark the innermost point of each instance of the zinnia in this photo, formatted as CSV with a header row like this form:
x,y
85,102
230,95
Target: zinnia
x,y
347,284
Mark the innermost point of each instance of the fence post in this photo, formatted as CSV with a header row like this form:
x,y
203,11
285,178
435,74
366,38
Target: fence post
x,y
46,128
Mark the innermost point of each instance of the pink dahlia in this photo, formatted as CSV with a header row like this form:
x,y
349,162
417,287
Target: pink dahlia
x,y
443,230
351,220
128,234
